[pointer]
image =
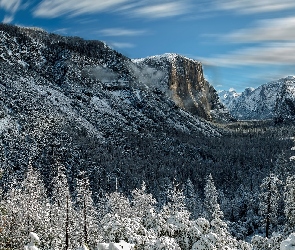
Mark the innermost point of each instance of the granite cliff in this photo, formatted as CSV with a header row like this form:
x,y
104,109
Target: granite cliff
x,y
188,88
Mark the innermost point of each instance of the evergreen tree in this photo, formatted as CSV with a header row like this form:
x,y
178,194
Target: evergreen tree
x,y
87,213
192,200
211,206
289,196
62,214
26,210
269,199
142,202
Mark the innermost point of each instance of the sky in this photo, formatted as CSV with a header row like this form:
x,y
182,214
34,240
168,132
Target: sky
x,y
241,43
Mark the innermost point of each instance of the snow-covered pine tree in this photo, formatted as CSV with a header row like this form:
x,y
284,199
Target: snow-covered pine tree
x,y
192,200
211,206
289,197
87,214
121,223
62,214
27,210
269,198
143,206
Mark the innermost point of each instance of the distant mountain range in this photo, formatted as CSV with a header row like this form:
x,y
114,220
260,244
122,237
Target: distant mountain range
x,y
273,100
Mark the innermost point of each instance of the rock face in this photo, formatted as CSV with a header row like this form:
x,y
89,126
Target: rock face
x,y
273,100
187,85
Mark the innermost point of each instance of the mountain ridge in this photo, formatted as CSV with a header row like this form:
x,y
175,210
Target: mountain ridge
x,y
273,100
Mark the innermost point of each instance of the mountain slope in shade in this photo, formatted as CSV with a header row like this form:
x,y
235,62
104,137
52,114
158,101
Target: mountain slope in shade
x,y
273,100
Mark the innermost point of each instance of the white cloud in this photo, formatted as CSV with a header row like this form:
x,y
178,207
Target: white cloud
x,y
10,5
121,45
8,18
254,6
162,10
55,8
272,54
139,8
279,29
121,32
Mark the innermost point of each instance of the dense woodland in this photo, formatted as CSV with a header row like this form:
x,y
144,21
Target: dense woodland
x,y
242,186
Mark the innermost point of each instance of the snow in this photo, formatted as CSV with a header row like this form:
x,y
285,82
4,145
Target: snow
x,y
167,56
122,245
259,103
83,247
5,123
34,239
289,243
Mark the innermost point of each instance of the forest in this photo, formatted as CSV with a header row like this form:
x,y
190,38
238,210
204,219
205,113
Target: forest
x,y
227,206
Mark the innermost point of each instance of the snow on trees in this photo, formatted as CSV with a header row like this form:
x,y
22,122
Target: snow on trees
x,y
62,215
289,196
26,210
211,206
122,245
34,239
289,243
269,198
87,214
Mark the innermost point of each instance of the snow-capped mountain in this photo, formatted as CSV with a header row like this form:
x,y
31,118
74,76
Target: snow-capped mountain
x,y
228,96
93,109
273,100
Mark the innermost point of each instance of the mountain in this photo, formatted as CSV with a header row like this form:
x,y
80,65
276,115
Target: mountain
x,y
273,100
228,96
80,103
187,85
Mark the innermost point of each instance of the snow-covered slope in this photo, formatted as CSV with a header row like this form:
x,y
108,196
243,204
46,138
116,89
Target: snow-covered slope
x,y
89,107
228,96
273,100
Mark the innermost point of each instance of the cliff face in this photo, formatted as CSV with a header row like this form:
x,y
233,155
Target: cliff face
x,y
188,87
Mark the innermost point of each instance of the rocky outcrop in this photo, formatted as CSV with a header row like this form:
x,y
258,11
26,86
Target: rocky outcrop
x,y
188,87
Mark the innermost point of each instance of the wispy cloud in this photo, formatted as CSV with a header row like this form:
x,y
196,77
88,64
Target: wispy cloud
x,y
119,45
121,32
271,54
10,6
273,44
254,6
55,8
132,8
162,10
279,29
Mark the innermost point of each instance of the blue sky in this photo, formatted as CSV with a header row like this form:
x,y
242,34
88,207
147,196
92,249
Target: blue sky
x,y
241,43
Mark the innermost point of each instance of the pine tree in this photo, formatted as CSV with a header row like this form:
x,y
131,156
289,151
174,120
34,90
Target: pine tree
x,y
211,206
269,198
27,210
62,214
289,197
142,202
192,200
87,213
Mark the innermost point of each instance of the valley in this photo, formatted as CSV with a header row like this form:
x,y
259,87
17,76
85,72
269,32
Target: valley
x,y
107,148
